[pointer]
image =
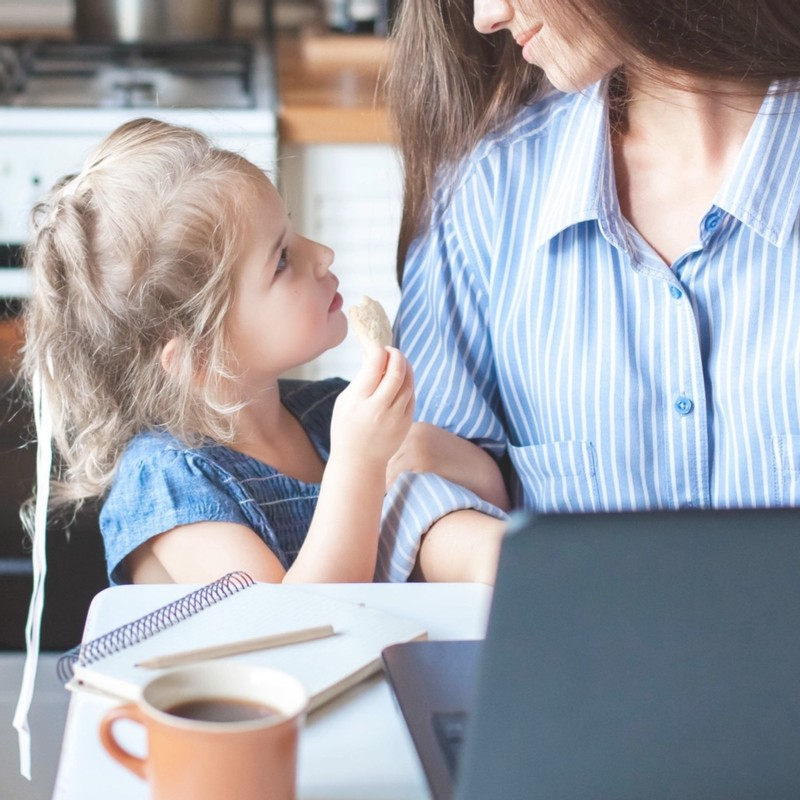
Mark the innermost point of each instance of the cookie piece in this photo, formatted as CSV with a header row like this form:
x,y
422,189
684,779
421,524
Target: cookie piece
x,y
370,323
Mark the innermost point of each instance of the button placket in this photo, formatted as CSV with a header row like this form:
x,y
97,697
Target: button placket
x,y
687,433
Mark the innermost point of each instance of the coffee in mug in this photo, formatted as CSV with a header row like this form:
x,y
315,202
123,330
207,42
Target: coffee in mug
x,y
221,709
217,729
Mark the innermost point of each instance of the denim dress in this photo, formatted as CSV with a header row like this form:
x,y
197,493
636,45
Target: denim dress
x,y
161,483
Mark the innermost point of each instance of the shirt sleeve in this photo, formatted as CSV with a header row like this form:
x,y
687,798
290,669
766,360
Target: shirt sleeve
x,y
156,492
443,323
413,503
442,327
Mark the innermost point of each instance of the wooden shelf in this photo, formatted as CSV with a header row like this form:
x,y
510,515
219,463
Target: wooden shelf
x,y
331,88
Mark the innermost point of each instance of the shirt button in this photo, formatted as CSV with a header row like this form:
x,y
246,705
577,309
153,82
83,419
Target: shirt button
x,y
675,292
683,405
712,220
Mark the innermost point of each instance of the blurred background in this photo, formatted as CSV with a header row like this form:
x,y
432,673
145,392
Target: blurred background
x,y
293,85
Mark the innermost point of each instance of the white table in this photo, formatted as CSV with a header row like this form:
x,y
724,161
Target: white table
x,y
355,747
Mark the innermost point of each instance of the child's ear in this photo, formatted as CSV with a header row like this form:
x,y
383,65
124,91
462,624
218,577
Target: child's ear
x,y
169,354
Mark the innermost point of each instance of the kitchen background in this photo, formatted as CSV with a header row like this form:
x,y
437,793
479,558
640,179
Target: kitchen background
x,y
292,85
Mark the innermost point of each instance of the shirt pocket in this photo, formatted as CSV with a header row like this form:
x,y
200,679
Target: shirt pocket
x,y
558,476
785,470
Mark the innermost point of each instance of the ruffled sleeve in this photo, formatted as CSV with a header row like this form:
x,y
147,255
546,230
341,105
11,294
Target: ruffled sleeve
x,y
160,485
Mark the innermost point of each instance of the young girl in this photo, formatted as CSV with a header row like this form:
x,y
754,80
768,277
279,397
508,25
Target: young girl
x,y
170,293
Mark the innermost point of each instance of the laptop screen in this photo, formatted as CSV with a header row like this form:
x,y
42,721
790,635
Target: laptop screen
x,y
641,655
632,655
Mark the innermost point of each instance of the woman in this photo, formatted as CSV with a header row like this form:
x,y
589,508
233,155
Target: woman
x,y
599,250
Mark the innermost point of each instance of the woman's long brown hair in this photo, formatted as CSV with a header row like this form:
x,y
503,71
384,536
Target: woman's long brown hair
x,y
447,88
450,85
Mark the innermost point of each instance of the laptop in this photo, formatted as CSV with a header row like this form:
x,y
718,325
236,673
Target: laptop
x,y
627,655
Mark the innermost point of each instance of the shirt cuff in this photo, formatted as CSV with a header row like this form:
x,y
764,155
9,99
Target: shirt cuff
x,y
413,503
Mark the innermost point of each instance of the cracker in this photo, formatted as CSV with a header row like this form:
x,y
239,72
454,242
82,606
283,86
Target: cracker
x,y
370,323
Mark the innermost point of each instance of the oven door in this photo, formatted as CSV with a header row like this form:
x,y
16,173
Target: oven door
x,y
14,281
76,563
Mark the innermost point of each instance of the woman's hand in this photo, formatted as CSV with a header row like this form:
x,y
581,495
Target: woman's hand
x,y
373,415
428,448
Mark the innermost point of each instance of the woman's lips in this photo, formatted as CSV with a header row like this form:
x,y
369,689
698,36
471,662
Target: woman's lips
x,y
525,38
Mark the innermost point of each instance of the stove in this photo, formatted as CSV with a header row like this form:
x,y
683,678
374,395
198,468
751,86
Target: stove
x,y
77,75
58,99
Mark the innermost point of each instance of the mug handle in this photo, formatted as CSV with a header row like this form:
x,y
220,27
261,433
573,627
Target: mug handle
x,y
112,746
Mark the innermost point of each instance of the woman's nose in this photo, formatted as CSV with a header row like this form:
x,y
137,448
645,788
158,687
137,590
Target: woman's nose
x,y
492,15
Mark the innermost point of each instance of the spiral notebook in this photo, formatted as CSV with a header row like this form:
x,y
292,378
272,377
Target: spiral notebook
x,y
233,608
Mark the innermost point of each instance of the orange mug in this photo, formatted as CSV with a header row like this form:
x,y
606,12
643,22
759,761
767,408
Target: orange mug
x,y
215,730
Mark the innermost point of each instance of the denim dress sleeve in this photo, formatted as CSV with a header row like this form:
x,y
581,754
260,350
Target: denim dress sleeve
x,y
159,485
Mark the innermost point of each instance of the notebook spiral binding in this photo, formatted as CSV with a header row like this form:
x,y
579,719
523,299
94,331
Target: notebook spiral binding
x,y
143,628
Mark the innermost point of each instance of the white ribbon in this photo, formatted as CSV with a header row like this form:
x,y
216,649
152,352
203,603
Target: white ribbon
x,y
44,460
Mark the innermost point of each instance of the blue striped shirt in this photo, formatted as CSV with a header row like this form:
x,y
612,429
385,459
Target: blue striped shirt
x,y
541,325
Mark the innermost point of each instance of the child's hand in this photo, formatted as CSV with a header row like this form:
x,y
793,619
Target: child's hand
x,y
373,414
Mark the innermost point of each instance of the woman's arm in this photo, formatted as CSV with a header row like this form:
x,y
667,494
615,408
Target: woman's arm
x,y
462,546
428,448
446,327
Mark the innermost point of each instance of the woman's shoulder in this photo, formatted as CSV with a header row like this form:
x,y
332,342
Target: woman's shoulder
x,y
531,123
530,136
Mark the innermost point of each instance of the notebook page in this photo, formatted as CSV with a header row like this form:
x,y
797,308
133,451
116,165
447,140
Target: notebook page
x,y
325,666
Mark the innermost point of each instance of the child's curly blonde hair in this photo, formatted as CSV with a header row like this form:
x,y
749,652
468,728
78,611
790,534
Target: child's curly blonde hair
x,y
136,250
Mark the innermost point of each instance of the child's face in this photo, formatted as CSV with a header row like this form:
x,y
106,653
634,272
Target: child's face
x,y
286,310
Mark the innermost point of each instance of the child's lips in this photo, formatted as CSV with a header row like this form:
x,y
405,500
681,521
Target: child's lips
x,y
336,303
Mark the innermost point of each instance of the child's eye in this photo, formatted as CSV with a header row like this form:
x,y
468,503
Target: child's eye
x,y
283,261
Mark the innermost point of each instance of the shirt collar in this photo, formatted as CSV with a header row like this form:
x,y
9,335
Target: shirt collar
x,y
764,189
581,183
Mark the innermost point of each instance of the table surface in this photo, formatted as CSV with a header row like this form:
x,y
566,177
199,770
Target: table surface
x,y
355,747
